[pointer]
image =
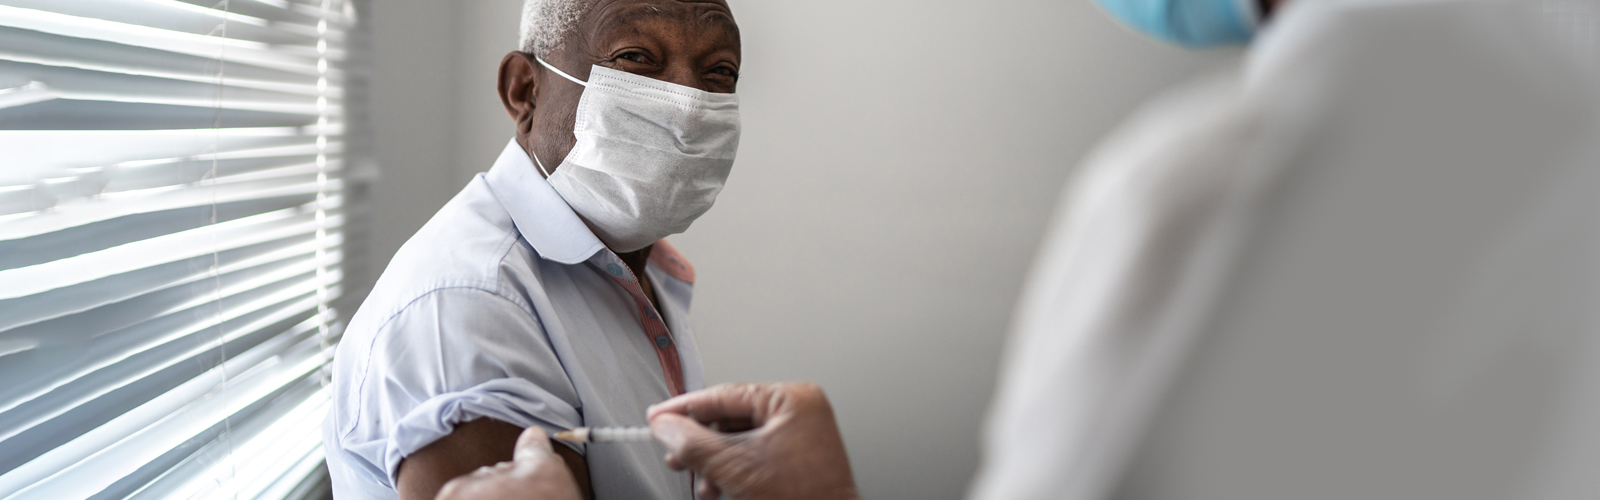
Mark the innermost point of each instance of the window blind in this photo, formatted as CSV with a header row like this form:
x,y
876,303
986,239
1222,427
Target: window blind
x,y
171,239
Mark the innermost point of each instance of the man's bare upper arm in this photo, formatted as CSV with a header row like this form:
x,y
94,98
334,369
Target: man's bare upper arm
x,y
471,445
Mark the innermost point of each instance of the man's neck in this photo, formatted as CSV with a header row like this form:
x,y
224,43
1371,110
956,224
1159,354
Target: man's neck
x,y
636,260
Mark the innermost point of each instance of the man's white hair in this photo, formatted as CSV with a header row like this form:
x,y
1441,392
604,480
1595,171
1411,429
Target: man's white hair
x,y
547,23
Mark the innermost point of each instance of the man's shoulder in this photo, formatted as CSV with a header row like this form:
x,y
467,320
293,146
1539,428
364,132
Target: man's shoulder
x,y
463,239
471,246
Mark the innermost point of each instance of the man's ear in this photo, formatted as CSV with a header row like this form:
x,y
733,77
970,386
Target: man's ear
x,y
519,87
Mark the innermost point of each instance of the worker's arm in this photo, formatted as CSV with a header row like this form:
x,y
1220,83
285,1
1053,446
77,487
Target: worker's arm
x,y
788,445
479,443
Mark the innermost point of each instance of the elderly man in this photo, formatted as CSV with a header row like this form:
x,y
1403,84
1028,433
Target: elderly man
x,y
542,296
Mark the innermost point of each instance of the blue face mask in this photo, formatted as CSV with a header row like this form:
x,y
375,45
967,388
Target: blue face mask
x,y
1190,23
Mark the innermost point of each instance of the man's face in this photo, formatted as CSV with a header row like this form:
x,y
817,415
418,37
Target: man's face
x,y
694,43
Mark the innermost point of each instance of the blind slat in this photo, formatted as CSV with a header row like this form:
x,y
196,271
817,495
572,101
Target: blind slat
x,y
241,51
110,72
23,45
24,95
276,27
38,155
153,200
141,201
114,232
80,84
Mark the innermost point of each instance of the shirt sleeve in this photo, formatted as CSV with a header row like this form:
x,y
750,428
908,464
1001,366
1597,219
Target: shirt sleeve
x,y
453,356
1106,307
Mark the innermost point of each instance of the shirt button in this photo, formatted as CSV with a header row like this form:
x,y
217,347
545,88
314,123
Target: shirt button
x,y
651,314
663,341
614,269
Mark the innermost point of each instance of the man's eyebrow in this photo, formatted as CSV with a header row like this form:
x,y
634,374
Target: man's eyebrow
x,y
630,14
719,17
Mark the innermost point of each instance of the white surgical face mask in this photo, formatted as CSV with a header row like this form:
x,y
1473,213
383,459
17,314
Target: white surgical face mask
x,y
651,156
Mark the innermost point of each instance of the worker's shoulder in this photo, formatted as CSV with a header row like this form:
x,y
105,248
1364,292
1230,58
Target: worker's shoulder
x,y
1427,68
1186,144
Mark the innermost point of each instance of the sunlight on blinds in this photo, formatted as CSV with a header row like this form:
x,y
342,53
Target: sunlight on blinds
x,y
172,217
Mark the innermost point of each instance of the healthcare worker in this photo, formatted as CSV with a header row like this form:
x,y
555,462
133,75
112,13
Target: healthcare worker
x,y
1364,265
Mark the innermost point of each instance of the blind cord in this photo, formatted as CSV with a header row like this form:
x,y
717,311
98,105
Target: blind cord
x,y
216,253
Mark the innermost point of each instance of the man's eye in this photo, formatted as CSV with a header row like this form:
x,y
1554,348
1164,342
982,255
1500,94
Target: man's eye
x,y
635,57
726,71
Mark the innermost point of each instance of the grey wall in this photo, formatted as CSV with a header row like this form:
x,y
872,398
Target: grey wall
x,y
900,159
412,104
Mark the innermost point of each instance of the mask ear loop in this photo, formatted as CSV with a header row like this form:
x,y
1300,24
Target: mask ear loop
x,y
563,74
536,161
559,72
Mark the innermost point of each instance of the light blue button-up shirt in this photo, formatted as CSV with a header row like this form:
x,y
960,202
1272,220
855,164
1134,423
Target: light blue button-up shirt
x,y
506,306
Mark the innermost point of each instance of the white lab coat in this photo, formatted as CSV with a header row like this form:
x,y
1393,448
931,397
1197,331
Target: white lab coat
x,y
1366,265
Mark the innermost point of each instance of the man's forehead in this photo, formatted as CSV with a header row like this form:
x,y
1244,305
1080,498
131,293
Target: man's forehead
x,y
607,14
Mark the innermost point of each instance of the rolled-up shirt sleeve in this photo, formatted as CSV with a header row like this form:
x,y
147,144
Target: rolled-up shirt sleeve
x,y
452,356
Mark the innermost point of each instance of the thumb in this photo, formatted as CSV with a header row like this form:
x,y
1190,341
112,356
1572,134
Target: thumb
x,y
689,444
533,444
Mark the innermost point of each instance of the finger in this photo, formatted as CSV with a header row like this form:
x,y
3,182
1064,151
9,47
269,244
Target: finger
x,y
455,489
464,487
689,445
722,402
702,492
704,489
533,444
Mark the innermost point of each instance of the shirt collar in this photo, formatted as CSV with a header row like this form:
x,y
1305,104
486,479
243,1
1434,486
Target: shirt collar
x,y
541,215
